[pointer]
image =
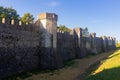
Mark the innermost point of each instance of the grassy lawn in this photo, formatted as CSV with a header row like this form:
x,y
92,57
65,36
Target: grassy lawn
x,y
109,69
118,45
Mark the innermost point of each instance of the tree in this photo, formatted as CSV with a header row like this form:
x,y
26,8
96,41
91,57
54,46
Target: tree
x,y
27,18
8,12
63,28
85,32
86,29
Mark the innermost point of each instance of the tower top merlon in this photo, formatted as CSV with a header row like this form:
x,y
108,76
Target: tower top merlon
x,y
51,16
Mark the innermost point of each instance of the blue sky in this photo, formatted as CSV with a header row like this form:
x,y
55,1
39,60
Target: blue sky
x,y
100,16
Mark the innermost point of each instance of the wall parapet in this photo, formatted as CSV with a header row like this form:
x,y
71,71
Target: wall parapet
x,y
40,45
17,25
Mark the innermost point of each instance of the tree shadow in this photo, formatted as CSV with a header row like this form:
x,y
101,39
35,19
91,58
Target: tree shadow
x,y
106,74
112,56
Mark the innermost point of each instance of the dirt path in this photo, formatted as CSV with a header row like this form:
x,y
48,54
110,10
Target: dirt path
x,y
73,72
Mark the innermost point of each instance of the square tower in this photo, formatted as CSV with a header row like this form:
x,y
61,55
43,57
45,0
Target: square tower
x,y
48,26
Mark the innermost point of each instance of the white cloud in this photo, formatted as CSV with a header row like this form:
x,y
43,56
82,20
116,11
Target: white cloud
x,y
53,4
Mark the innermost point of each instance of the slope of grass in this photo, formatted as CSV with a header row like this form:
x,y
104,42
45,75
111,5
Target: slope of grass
x,y
117,45
108,70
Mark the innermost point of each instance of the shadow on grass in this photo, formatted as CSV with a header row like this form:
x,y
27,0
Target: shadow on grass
x,y
107,74
68,63
94,67
112,56
88,71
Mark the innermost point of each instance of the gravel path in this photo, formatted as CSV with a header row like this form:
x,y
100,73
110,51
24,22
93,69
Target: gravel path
x,y
73,72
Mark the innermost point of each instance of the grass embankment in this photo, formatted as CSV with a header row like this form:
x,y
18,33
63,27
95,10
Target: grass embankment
x,y
117,45
73,70
109,69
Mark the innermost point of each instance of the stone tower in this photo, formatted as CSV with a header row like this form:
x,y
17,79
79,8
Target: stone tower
x,y
49,58
48,25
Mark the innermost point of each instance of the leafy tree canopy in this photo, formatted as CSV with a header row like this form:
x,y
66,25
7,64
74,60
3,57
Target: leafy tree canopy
x,y
86,29
63,28
7,12
27,18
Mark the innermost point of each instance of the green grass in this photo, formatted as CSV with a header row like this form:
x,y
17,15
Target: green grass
x,y
117,45
108,69
69,63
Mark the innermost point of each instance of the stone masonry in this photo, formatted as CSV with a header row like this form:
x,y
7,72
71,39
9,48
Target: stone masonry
x,y
25,47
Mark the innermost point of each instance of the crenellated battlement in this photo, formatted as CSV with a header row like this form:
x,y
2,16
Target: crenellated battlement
x,y
6,22
41,45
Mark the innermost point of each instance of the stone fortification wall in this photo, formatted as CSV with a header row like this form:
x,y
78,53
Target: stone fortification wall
x,y
74,45
25,47
49,58
18,49
65,45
